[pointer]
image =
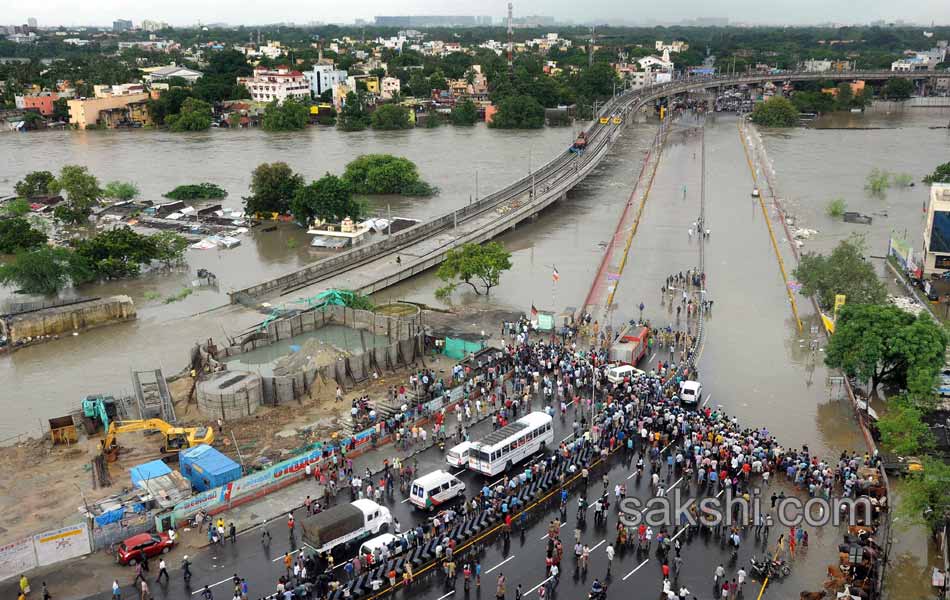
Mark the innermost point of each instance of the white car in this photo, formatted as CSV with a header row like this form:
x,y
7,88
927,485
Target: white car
x,y
691,392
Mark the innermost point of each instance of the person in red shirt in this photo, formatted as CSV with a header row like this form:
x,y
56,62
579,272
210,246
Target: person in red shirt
x,y
666,571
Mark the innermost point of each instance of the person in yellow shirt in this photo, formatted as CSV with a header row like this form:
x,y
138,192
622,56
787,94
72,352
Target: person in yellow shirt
x,y
24,586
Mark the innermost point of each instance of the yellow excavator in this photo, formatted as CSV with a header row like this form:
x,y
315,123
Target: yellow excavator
x,y
175,439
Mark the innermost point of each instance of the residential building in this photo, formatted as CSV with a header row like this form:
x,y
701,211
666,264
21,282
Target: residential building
x,y
675,46
267,85
389,87
655,63
323,78
153,74
77,42
921,60
22,38
273,50
41,103
427,21
149,25
120,25
816,66
108,111
123,89
31,21
371,81
937,230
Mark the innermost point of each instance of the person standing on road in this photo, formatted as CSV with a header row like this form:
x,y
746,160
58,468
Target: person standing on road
x,y
288,564
720,573
500,587
116,590
186,568
740,579
232,533
206,594
162,570
610,557
144,589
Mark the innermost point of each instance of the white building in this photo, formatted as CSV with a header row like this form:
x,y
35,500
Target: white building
x,y
149,25
272,50
389,87
266,85
937,230
164,73
655,63
816,66
676,46
77,42
323,78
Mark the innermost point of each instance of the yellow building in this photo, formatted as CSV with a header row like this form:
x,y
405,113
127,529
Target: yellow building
x,y
86,112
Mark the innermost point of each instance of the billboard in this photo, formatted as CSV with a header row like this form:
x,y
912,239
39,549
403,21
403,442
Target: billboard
x,y
62,544
16,558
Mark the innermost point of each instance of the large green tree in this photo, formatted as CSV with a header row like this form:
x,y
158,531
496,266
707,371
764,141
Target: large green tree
x,y
924,497
353,116
169,247
36,183
82,194
195,115
117,253
273,185
478,265
902,428
329,198
940,175
518,112
881,342
44,271
390,117
120,190
897,89
464,113
844,271
777,111
17,234
289,115
385,174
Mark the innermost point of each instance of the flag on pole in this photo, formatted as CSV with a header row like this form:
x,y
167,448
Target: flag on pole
x,y
555,275
534,311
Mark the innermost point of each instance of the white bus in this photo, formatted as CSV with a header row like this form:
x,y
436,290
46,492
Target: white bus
x,y
512,443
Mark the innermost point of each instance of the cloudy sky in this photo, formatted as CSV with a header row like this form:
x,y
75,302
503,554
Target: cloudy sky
x,y
187,12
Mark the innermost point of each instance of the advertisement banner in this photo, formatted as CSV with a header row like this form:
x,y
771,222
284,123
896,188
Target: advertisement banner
x,y
203,501
901,250
16,558
282,470
62,544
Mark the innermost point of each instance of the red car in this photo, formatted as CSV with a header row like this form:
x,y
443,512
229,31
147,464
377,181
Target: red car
x,y
134,548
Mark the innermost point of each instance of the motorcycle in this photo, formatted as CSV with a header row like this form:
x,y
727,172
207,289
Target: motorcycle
x,y
601,595
770,568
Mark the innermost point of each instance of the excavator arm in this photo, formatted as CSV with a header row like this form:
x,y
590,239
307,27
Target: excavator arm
x,y
175,439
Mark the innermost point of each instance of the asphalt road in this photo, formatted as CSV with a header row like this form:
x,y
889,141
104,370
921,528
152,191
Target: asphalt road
x,y
521,559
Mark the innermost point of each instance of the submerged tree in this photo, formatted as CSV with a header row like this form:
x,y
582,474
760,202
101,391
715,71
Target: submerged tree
x,y
478,265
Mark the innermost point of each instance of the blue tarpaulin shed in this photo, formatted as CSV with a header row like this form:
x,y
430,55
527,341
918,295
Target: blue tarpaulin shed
x,y
149,470
207,468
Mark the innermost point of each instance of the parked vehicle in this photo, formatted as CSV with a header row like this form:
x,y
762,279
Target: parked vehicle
x,y
131,551
457,456
396,544
346,524
434,489
618,373
512,443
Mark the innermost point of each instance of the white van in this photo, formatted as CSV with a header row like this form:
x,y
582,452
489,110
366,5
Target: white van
x,y
691,392
618,373
438,487
457,456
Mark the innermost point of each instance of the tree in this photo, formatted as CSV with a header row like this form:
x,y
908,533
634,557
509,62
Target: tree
x,y
391,117
44,271
120,190
353,116
82,194
272,187
924,497
437,81
464,113
329,198
16,234
479,266
518,112
385,174
777,111
170,247
18,207
903,431
845,96
290,115
813,102
940,175
117,253
878,342
61,109
597,81
897,89
419,84
197,191
844,271
36,183
195,115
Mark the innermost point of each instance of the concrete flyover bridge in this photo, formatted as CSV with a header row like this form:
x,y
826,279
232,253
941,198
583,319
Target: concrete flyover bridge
x,y
373,267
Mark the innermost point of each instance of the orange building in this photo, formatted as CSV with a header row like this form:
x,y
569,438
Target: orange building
x,y
42,104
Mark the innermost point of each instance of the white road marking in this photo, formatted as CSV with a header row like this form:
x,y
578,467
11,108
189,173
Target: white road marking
x,y
721,492
707,399
535,587
546,535
404,501
675,483
459,473
212,585
635,569
652,357
499,564
599,544
281,557
446,595
680,532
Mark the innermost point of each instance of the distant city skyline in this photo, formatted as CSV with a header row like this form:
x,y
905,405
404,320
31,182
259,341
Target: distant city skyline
x,y
185,13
